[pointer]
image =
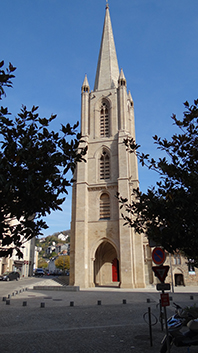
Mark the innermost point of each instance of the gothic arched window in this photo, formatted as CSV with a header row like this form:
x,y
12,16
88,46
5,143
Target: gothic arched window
x,y
104,206
104,166
104,120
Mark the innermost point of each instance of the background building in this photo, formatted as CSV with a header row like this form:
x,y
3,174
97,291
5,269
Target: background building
x,y
24,266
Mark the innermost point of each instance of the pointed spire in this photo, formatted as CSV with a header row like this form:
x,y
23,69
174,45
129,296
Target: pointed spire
x,y
107,70
130,98
85,85
122,79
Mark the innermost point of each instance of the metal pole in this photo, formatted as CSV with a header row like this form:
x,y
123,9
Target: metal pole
x,y
171,273
168,342
150,327
166,326
161,315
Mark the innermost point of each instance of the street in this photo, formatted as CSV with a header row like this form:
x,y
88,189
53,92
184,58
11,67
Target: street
x,y
8,287
85,327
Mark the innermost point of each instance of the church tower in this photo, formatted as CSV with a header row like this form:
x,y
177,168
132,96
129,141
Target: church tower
x,y
102,250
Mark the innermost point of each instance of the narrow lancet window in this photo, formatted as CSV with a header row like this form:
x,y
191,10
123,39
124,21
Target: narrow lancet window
x,y
104,206
104,120
104,166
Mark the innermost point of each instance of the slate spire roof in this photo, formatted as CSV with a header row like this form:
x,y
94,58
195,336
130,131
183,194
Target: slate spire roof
x,y
107,70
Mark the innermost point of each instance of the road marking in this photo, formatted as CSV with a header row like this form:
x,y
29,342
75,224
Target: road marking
x,y
62,330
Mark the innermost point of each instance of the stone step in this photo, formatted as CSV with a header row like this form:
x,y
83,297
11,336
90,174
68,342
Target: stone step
x,y
62,280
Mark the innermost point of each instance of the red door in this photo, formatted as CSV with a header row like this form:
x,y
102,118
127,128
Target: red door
x,y
115,274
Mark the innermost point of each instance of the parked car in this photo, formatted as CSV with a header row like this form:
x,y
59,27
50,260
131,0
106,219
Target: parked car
x,y
10,276
39,272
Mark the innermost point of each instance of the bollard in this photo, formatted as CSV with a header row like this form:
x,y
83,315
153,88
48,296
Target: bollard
x,y
191,297
71,303
124,301
9,296
4,299
24,303
7,302
148,300
99,302
42,305
170,298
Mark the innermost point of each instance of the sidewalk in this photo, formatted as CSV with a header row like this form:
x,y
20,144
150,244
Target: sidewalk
x,y
106,295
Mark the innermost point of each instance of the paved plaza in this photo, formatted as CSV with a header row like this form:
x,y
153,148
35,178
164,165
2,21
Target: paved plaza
x,y
89,321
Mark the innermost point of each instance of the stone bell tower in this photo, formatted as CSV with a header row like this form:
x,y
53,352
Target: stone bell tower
x,y
103,251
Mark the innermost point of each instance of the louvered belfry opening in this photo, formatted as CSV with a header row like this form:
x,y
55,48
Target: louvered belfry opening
x,y
104,206
104,166
104,120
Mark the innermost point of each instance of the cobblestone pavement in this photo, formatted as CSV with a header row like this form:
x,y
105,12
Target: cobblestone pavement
x,y
85,327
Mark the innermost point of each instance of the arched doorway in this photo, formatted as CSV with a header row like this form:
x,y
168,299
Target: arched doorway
x,y
178,277
106,265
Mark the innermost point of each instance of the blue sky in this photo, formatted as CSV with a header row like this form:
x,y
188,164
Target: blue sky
x,y
53,43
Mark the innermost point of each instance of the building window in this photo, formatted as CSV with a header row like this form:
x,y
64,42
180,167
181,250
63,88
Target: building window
x,y
177,259
104,166
104,120
104,206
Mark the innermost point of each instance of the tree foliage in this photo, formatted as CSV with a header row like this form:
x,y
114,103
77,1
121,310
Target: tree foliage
x,y
63,262
167,213
42,263
34,166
